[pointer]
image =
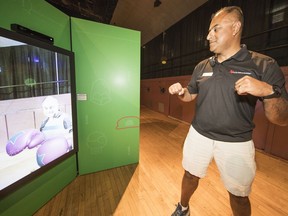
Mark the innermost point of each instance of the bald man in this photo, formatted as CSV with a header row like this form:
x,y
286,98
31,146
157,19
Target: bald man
x,y
227,86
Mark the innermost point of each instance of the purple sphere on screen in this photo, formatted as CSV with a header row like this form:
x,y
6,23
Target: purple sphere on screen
x,y
51,149
16,144
28,138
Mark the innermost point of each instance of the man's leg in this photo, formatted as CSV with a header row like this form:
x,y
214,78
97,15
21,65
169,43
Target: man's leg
x,y
197,155
236,163
240,205
189,185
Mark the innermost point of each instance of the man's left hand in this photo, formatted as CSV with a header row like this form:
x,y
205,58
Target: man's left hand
x,y
249,85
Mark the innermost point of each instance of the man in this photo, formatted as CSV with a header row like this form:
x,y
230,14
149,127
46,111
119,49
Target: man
x,y
227,87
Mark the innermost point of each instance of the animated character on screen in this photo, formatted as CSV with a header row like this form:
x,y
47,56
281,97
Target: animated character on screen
x,y
54,136
57,123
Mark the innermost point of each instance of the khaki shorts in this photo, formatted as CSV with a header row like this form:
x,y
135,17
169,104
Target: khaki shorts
x,y
235,161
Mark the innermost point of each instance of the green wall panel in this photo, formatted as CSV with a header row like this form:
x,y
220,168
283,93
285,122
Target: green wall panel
x,y
39,16
108,88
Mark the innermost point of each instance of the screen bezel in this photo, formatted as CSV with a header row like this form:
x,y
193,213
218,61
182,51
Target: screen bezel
x,y
38,43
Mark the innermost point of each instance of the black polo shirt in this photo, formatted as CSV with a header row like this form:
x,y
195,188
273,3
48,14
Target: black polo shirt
x,y
222,114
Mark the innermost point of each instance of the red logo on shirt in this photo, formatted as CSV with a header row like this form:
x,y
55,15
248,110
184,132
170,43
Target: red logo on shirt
x,y
240,72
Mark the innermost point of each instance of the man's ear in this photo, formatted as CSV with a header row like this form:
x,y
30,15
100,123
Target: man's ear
x,y
236,27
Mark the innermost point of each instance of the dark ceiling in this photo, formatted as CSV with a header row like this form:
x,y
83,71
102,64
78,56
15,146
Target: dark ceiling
x,y
150,17
95,10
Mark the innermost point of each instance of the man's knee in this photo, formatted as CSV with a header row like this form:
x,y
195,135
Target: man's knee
x,y
190,176
240,205
242,201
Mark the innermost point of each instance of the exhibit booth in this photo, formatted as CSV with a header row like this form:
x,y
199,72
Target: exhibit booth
x,y
69,101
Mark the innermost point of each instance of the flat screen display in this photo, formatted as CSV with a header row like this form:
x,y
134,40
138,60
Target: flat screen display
x,y
37,108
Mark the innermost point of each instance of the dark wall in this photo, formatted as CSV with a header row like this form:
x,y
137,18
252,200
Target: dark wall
x,y
184,44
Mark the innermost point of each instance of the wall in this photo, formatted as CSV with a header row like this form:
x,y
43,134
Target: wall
x,y
155,95
42,17
107,62
268,137
184,45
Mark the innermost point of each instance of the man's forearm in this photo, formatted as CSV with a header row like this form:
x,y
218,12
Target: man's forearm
x,y
276,110
186,97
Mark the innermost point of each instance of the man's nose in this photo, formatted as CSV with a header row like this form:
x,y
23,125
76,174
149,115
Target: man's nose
x,y
209,36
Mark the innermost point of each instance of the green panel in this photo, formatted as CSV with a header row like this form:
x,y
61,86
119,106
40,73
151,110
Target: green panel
x,y
37,15
32,196
108,88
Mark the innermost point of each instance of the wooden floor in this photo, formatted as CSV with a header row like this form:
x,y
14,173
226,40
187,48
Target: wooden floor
x,y
152,187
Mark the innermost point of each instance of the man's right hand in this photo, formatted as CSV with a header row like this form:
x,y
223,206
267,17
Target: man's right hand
x,y
176,88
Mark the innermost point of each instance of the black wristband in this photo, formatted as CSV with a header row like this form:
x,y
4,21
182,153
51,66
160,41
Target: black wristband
x,y
276,93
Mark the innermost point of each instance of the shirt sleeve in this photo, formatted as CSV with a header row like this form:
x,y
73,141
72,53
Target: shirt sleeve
x,y
273,75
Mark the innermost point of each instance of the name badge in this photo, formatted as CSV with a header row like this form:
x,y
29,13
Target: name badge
x,y
206,74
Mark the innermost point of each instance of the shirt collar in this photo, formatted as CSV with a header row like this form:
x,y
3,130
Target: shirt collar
x,y
241,55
